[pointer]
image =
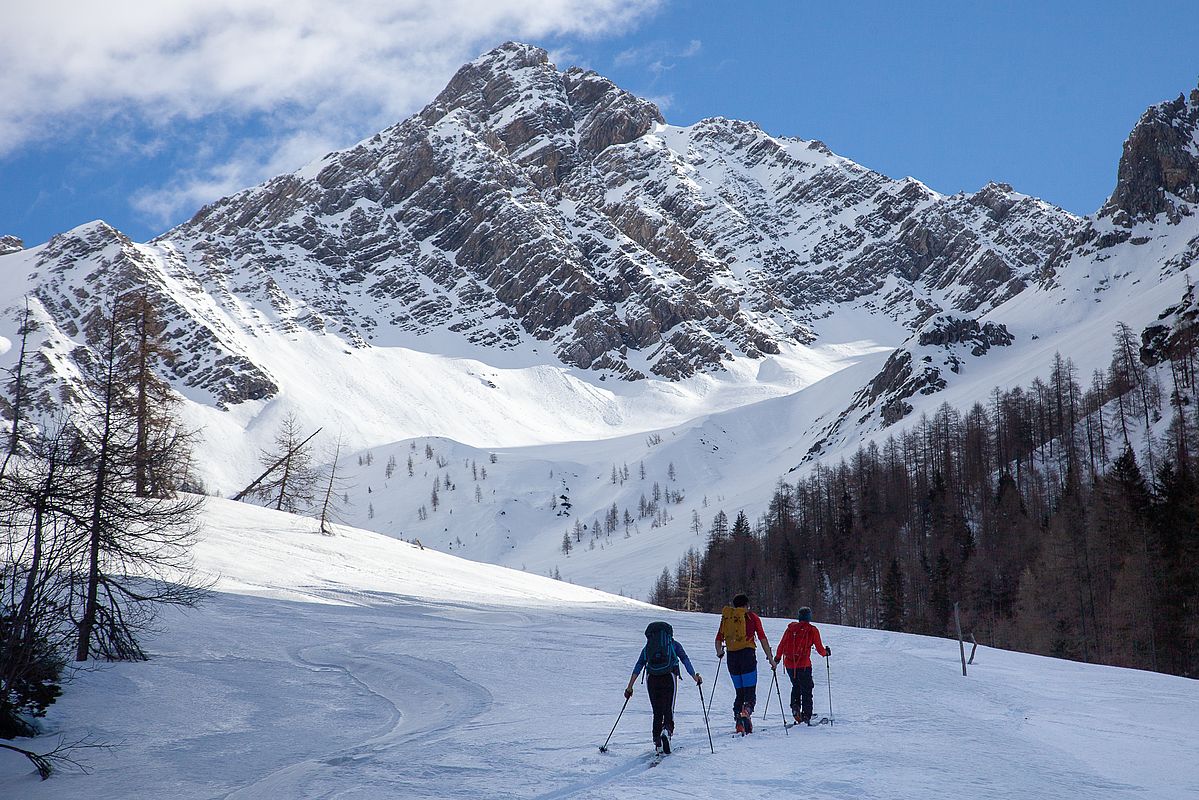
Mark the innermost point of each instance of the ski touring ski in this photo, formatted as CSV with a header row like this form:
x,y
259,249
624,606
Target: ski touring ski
x,y
813,723
656,758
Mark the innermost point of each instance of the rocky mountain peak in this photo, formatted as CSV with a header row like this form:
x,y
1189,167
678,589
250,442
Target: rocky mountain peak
x,y
543,118
496,80
10,244
1159,168
675,251
604,113
90,237
998,198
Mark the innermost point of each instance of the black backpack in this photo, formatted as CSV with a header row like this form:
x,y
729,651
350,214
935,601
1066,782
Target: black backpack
x,y
660,657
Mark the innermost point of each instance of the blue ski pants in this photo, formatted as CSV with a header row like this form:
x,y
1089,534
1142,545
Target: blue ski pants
x,y
743,669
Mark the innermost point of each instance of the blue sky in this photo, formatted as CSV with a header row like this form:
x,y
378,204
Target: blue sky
x,y
138,112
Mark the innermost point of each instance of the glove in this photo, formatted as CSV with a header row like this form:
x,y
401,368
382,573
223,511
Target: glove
x,y
699,679
628,693
720,651
828,651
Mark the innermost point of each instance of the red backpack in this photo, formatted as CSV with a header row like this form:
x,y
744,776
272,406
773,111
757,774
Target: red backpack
x,y
798,636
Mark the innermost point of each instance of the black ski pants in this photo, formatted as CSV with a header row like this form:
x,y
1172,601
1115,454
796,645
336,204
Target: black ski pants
x,y
743,670
662,690
801,692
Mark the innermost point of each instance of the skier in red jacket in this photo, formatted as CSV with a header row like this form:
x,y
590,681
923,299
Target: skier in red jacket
x,y
795,652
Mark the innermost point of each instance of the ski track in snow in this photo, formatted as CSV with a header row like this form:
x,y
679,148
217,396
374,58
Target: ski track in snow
x,y
470,681
425,697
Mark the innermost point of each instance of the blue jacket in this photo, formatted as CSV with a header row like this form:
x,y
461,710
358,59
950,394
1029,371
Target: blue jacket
x,y
678,651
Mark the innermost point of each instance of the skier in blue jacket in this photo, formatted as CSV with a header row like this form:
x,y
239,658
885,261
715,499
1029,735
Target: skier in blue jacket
x,y
660,658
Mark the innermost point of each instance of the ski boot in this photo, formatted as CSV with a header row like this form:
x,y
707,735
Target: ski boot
x,y
747,718
665,743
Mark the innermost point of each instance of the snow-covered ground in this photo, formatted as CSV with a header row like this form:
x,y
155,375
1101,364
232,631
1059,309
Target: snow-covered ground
x,y
519,513
358,666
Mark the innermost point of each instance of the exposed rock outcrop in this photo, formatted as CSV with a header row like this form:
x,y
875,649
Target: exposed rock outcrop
x,y
527,204
1177,328
1159,168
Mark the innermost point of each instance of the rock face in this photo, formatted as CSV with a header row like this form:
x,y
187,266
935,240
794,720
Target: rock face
x,y
949,330
1157,189
943,345
1159,169
548,122
10,244
530,205
82,270
1174,330
557,216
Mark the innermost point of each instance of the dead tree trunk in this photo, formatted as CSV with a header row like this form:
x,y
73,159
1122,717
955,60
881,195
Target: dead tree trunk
x,y
326,504
957,621
254,484
95,525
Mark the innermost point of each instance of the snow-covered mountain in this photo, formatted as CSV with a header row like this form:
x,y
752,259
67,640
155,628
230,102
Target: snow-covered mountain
x,y
537,266
357,666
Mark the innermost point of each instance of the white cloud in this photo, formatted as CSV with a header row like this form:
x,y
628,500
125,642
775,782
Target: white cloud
x,y
664,102
323,72
211,179
565,57
654,56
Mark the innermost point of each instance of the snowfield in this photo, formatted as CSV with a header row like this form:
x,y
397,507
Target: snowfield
x,y
359,666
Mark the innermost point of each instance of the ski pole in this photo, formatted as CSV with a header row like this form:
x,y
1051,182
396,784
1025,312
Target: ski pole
x,y
774,675
829,672
708,710
702,708
778,689
604,746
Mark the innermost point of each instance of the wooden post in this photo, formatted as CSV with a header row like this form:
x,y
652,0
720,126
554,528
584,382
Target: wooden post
x,y
957,620
973,649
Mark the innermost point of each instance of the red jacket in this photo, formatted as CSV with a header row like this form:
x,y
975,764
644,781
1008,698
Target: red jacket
x,y
795,648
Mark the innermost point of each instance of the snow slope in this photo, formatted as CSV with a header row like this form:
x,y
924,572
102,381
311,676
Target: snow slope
x,y
357,666
731,459
429,384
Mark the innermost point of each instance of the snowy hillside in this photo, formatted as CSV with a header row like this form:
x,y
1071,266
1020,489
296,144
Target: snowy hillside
x,y
538,266
512,505
359,666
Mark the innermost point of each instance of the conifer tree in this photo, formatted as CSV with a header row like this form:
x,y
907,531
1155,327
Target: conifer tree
x,y
135,544
891,616
291,483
